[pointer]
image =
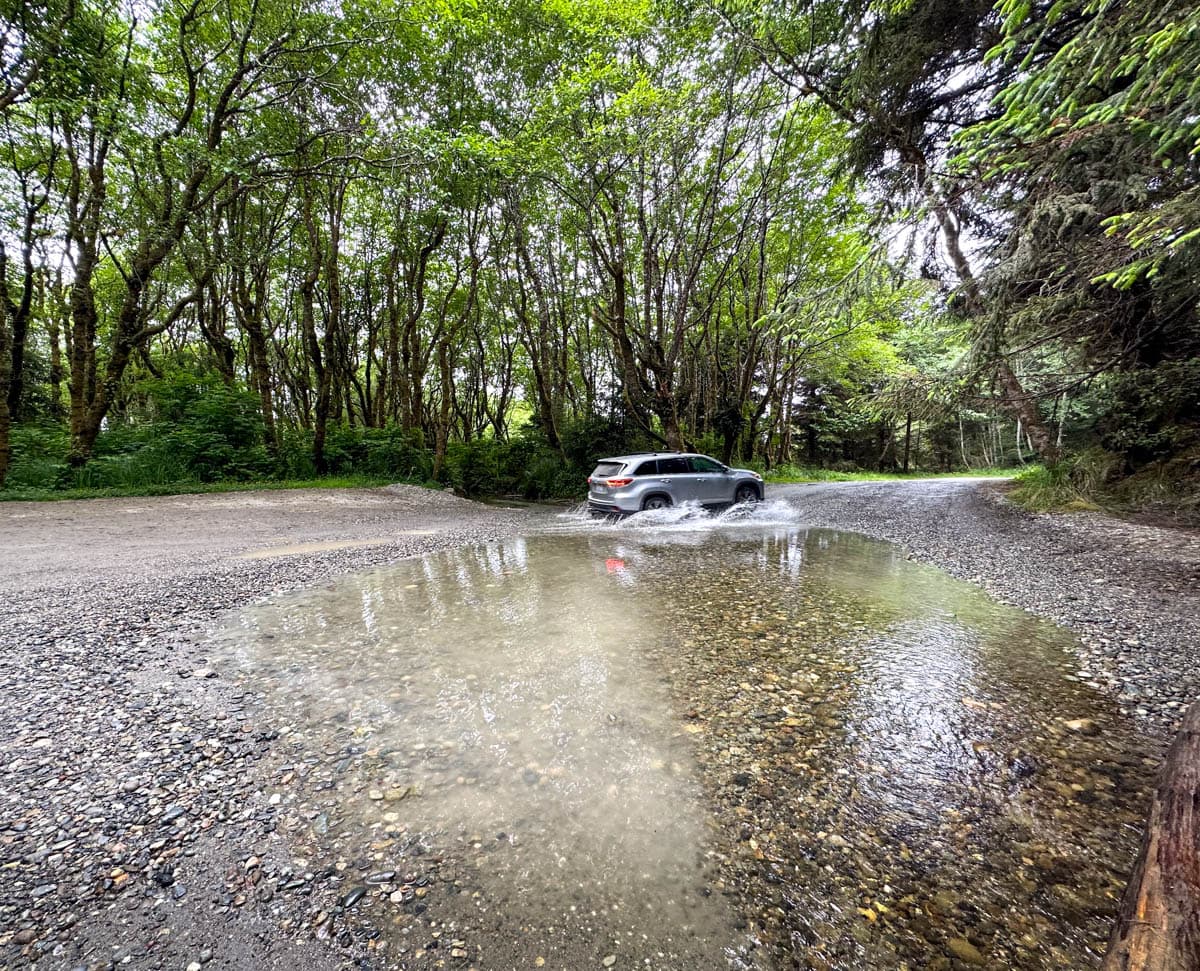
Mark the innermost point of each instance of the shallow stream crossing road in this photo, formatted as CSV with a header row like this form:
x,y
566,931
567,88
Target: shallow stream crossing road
x,y
1131,592
152,792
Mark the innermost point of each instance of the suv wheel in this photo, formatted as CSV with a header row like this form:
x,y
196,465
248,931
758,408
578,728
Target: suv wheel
x,y
746,493
656,502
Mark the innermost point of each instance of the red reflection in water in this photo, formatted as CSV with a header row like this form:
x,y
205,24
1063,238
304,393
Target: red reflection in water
x,y
614,564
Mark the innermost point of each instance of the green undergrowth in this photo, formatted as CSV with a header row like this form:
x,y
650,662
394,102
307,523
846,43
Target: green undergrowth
x,y
1050,489
794,473
200,446
28,494
477,470
1096,480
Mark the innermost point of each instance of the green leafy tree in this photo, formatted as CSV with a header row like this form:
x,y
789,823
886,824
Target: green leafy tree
x,y
1094,161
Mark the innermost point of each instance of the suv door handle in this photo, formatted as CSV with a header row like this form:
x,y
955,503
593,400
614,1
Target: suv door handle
x,y
664,480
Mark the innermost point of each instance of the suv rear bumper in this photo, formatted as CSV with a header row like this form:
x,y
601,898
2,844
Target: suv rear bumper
x,y
605,509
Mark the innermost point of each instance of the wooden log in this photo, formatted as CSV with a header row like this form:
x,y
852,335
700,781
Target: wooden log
x,y
1158,926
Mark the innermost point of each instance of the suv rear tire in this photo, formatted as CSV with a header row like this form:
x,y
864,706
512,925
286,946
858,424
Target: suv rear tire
x,y
656,502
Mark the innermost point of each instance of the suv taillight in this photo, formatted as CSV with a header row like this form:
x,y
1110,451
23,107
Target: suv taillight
x,y
617,483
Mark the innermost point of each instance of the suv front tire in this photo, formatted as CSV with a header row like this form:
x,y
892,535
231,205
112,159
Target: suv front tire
x,y
746,493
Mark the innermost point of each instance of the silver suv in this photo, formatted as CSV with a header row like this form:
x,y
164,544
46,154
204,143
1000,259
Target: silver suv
x,y
627,484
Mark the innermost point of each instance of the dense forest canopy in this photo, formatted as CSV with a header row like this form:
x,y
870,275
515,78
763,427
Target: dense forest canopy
x,y
481,243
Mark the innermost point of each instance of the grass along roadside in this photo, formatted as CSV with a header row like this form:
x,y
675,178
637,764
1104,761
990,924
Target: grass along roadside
x,y
1042,489
23,494
792,473
1166,492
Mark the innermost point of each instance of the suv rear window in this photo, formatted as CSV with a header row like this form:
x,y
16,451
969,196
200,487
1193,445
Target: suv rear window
x,y
673,466
648,468
606,469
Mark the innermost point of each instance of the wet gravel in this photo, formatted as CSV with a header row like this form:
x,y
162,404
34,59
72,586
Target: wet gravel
x,y
138,786
1130,592
914,776
136,828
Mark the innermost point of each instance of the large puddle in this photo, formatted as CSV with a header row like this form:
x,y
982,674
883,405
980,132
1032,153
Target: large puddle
x,y
687,742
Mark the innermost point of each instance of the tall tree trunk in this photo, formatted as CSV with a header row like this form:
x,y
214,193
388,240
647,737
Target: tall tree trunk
x,y
886,442
387,392
442,431
1015,397
907,437
260,378
1022,404
331,387
251,241
82,383
312,344
669,416
18,315
1026,409
538,328
750,437
210,316
131,331
5,376
55,314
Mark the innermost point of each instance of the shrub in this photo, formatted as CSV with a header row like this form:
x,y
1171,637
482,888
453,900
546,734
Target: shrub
x,y
1040,488
39,457
1152,414
1078,482
474,468
192,429
548,477
586,439
394,452
154,465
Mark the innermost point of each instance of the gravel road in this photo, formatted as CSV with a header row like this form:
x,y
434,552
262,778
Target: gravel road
x,y
136,822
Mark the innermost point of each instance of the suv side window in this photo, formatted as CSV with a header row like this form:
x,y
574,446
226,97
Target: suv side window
x,y
647,468
673,466
702,464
